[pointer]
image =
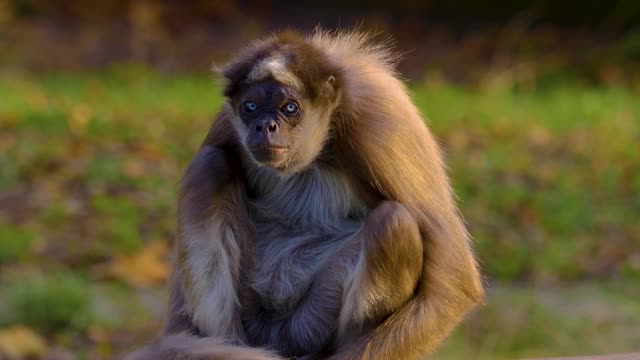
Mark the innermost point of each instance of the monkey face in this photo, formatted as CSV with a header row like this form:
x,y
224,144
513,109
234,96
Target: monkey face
x,y
284,98
277,125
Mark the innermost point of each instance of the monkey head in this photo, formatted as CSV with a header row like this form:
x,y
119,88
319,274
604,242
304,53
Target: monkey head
x,y
284,96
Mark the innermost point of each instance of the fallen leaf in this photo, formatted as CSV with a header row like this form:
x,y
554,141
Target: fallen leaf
x,y
539,136
145,268
80,118
458,141
19,342
151,151
97,334
134,168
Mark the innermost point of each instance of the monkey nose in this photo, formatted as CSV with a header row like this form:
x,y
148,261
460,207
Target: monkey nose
x,y
270,126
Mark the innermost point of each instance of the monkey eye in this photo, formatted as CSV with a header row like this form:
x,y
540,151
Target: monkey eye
x,y
249,106
290,108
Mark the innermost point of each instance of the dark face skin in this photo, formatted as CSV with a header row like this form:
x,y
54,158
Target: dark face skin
x,y
271,112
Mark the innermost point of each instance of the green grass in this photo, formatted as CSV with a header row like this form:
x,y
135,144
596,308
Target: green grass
x,y
519,322
548,180
118,228
51,303
16,243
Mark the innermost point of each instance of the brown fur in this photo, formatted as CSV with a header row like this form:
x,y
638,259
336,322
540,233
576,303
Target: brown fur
x,y
290,262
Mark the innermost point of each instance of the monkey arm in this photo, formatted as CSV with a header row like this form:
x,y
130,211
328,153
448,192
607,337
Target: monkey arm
x,y
210,189
213,235
398,158
450,284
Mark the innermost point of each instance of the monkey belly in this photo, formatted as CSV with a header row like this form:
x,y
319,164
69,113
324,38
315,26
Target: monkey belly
x,y
287,261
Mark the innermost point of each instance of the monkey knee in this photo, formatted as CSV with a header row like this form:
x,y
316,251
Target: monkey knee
x,y
393,242
392,221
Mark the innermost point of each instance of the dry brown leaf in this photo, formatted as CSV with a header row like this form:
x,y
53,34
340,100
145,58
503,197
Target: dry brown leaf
x,y
20,342
6,12
80,118
458,140
151,151
134,168
145,268
539,136
97,334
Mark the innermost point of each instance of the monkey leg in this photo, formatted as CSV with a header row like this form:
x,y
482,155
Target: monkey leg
x,y
387,271
372,275
313,324
368,278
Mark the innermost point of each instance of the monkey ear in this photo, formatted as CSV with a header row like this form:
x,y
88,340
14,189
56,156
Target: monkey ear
x,y
329,89
233,74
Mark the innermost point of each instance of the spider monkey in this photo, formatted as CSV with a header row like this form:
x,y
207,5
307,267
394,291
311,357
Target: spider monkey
x,y
316,220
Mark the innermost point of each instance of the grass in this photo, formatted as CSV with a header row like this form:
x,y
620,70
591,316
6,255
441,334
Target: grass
x,y
548,179
525,322
51,303
16,243
119,223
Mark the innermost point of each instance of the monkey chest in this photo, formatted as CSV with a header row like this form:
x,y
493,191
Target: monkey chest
x,y
300,221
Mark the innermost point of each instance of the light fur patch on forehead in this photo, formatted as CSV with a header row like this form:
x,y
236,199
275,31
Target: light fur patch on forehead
x,y
275,66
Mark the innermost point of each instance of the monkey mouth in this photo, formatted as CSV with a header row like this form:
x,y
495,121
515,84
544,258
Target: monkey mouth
x,y
269,155
269,148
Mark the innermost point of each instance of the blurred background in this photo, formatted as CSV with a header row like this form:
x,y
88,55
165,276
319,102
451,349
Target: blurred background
x,y
536,103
